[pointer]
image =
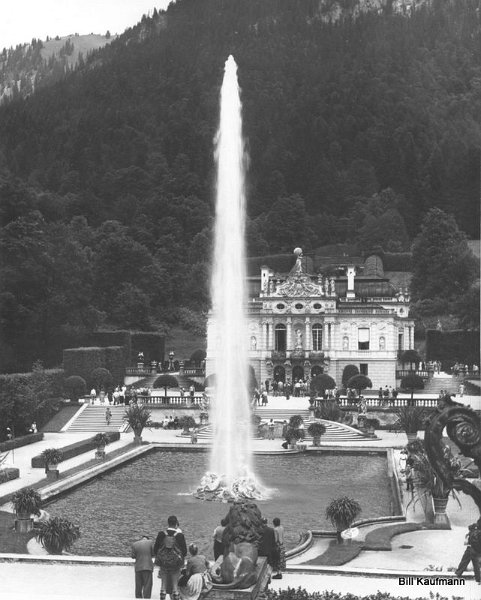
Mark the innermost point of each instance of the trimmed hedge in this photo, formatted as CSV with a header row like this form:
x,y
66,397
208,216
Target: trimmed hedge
x,y
120,337
74,449
83,361
8,474
151,343
452,346
115,362
24,440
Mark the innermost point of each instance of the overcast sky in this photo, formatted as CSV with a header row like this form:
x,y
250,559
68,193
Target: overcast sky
x,y
22,20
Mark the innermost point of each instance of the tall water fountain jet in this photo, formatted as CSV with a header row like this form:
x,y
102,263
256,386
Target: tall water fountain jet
x,y
231,470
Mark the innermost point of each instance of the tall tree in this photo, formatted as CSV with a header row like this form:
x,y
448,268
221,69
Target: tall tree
x,y
443,265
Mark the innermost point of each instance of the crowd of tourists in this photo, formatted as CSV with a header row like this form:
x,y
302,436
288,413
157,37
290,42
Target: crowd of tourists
x,y
187,574
121,395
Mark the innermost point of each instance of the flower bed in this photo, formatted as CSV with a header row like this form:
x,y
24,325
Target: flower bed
x,y
9,473
18,442
74,449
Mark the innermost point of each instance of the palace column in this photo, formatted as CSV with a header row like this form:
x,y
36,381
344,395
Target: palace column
x,y
264,340
289,334
270,343
307,335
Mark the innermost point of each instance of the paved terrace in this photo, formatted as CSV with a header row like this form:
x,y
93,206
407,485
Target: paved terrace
x,y
42,577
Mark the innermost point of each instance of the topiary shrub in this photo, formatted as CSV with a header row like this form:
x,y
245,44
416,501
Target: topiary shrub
x,y
101,378
412,382
321,383
348,372
359,383
166,381
75,387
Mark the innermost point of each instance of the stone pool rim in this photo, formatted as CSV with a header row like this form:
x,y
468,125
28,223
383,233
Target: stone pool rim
x,y
57,489
54,490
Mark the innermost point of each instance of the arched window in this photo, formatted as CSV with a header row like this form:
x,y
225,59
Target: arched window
x,y
317,337
280,338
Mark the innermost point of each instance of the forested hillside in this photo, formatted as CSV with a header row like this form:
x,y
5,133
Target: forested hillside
x,y
356,126
28,67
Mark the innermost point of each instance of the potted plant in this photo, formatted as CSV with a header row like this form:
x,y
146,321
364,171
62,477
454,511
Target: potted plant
x,y
52,456
101,440
411,420
292,435
137,418
316,429
57,534
428,484
186,422
371,426
342,512
26,502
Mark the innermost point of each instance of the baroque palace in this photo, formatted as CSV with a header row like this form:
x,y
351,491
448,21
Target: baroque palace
x,y
302,324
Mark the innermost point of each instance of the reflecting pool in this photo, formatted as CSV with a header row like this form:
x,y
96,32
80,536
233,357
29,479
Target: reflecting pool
x,y
137,498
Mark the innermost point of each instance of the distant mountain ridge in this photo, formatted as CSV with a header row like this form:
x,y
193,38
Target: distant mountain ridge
x,y
28,67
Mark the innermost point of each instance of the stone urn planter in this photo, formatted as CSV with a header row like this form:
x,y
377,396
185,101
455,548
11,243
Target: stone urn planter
x,y
23,522
25,503
101,440
52,456
100,453
440,516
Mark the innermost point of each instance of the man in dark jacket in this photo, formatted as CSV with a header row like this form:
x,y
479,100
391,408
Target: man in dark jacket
x,y
472,552
267,545
143,551
170,579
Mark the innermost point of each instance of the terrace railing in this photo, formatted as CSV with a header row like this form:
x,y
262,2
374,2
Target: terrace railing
x,y
405,372
373,402
159,399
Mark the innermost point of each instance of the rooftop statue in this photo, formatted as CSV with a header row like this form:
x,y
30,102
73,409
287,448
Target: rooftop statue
x,y
299,283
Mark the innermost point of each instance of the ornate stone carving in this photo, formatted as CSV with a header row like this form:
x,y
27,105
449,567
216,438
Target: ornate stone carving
x,y
463,427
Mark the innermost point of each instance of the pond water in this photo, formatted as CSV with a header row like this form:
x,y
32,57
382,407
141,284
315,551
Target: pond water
x,y
116,508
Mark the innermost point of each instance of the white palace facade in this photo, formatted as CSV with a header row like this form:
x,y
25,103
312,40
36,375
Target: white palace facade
x,y
301,324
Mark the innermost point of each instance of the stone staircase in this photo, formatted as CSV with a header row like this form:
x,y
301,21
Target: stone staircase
x,y
266,413
92,419
435,384
335,432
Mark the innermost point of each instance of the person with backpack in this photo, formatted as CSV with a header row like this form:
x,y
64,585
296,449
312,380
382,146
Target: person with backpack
x,y
472,552
170,551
